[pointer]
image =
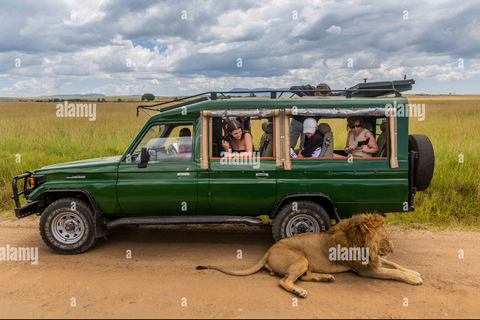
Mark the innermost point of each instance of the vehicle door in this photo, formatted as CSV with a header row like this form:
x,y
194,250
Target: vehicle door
x,y
245,186
168,183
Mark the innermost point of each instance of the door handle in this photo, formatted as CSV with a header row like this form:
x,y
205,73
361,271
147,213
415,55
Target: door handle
x,y
261,175
183,174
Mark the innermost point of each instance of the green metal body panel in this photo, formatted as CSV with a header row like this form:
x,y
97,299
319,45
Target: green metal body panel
x,y
156,189
100,180
236,189
122,189
360,186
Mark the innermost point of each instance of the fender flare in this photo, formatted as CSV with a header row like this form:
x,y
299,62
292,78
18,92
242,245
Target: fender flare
x,y
333,213
99,218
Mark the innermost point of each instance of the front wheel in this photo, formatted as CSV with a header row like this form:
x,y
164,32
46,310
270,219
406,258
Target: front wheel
x,y
300,217
67,226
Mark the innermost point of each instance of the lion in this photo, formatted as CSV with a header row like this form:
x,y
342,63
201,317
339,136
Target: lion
x,y
313,256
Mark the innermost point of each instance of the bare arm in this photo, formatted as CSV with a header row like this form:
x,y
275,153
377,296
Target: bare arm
x,y
372,146
348,148
247,139
248,143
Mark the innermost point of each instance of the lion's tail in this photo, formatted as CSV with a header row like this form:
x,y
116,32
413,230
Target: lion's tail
x,y
245,272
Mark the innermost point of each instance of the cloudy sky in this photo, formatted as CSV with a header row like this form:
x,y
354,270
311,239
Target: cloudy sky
x,y
178,47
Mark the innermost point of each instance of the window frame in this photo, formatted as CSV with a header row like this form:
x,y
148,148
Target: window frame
x,y
387,144
168,128
210,139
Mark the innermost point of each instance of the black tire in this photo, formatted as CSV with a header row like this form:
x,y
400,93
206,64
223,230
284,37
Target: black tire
x,y
308,217
68,228
425,164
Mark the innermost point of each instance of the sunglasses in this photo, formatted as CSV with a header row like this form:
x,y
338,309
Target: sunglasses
x,y
357,126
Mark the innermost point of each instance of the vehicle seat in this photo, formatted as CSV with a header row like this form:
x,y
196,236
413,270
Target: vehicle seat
x,y
154,143
266,142
381,141
327,147
368,126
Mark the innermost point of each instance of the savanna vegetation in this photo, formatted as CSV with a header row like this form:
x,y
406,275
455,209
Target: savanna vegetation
x,y
32,136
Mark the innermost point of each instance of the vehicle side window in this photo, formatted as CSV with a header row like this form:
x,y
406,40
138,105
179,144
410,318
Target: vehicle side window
x,y
172,142
333,136
260,133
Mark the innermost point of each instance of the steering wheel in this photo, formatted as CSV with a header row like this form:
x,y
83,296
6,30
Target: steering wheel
x,y
172,150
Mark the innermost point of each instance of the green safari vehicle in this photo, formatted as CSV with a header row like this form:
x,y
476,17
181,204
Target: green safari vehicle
x,y
173,171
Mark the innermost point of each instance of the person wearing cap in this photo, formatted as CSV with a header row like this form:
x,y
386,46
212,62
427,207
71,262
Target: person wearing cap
x,y
296,125
313,140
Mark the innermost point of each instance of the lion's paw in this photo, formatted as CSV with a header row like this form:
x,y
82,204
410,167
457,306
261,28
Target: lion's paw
x,y
301,293
415,281
416,273
328,278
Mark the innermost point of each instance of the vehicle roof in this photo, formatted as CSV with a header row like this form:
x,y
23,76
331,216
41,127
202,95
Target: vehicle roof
x,y
329,102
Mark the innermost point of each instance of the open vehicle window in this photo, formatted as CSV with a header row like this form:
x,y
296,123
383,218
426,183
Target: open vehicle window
x,y
260,129
334,133
172,142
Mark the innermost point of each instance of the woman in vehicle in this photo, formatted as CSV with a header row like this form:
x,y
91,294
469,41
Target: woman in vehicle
x,y
244,122
241,144
360,141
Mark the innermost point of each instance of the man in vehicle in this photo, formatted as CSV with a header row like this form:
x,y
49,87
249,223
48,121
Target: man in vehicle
x,y
313,140
323,90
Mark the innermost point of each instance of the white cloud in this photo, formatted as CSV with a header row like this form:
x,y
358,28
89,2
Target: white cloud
x,y
35,84
334,30
89,46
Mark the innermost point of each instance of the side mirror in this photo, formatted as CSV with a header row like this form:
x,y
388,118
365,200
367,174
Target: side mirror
x,y
144,157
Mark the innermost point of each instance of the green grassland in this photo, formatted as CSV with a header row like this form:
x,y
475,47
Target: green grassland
x,y
32,136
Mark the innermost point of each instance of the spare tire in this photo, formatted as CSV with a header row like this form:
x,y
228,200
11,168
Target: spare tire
x,y
425,164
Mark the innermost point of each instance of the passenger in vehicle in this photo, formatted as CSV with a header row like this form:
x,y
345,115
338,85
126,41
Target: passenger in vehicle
x,y
323,90
313,140
244,121
360,141
296,125
240,143
185,141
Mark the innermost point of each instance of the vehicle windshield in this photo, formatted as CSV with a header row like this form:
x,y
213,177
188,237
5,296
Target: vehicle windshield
x,y
170,142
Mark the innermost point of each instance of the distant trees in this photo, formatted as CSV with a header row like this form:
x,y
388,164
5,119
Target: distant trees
x,y
148,97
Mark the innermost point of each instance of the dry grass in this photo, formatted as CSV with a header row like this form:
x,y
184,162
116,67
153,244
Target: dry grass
x,y
453,198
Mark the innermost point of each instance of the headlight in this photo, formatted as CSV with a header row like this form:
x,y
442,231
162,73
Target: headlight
x,y
35,181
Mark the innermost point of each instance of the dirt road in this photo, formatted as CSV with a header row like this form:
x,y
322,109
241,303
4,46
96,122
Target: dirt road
x,y
160,279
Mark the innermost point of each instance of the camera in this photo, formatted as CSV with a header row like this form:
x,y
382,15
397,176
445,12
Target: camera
x,y
227,138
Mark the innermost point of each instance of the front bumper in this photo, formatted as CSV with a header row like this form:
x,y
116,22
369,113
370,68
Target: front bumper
x,y
31,207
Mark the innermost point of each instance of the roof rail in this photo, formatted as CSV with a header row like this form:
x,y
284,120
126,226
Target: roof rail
x,y
369,89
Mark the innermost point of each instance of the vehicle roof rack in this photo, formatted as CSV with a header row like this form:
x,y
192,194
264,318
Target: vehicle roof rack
x,y
369,89
381,88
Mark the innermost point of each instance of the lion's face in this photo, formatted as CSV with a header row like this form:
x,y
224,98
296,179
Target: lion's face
x,y
364,230
385,245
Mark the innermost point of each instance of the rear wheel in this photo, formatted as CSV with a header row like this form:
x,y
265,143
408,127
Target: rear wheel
x,y
67,226
425,164
300,217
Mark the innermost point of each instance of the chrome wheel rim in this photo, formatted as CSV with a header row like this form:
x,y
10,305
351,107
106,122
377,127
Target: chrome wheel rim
x,y
68,228
302,223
